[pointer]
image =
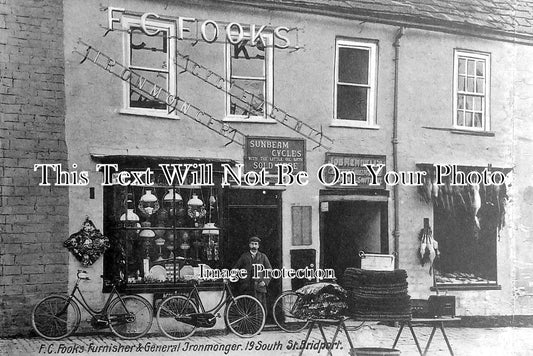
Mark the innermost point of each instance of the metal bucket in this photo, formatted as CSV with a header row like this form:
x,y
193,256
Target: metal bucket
x,y
374,351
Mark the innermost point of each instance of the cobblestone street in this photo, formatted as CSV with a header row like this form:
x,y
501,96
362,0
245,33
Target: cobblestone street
x,y
465,341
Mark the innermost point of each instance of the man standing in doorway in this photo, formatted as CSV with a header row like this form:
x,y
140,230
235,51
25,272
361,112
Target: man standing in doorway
x,y
254,287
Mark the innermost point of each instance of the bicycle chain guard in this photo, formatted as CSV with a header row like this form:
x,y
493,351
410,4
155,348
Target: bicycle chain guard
x,y
99,321
202,320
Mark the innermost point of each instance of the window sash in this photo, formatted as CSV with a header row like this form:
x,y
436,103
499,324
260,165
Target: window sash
x,y
129,22
266,77
370,118
476,68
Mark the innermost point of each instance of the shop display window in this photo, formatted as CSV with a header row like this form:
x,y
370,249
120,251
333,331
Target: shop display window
x,y
355,83
249,67
159,234
467,225
151,57
471,90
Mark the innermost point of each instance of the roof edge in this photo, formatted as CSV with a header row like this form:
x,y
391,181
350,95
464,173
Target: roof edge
x,y
393,19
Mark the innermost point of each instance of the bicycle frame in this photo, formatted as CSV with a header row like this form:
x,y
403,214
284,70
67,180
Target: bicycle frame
x,y
86,305
226,297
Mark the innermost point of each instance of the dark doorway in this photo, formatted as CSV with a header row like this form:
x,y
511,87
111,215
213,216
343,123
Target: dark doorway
x,y
255,212
347,227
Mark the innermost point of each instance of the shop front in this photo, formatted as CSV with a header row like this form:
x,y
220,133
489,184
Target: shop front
x,y
469,209
181,218
353,221
253,88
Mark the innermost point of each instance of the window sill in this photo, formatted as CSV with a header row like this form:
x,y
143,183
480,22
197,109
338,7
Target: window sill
x,y
466,287
355,125
458,131
148,114
249,120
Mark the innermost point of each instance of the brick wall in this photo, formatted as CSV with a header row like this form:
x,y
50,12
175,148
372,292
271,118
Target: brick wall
x,y
33,219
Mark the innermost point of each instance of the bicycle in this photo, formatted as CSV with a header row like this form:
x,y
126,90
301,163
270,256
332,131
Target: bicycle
x,y
58,316
178,316
286,317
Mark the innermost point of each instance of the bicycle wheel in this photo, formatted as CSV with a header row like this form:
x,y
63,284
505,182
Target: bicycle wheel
x,y
55,317
283,310
245,316
168,313
130,317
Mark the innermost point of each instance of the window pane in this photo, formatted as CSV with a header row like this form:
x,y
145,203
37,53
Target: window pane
x,y
247,104
468,119
480,68
470,85
462,81
470,67
247,61
148,51
462,66
461,102
353,65
469,103
478,117
480,86
460,118
138,101
478,103
351,103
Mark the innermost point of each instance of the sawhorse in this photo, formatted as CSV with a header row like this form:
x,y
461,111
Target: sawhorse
x,y
339,323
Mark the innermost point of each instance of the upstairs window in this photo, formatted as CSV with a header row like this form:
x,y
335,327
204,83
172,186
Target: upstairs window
x,y
150,56
471,91
249,90
355,83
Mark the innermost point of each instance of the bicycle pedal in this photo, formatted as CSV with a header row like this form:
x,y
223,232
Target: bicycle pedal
x,y
218,315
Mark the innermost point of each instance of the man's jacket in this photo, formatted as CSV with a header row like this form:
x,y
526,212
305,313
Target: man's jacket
x,y
245,262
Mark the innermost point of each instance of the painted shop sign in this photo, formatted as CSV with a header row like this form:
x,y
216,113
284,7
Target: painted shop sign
x,y
357,164
208,30
265,152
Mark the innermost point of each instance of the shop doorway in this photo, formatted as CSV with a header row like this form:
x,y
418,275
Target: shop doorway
x,y
347,227
255,212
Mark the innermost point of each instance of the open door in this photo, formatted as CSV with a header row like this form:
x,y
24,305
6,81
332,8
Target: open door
x,y
255,212
347,227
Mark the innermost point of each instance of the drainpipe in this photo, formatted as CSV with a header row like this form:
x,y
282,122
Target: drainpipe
x,y
396,231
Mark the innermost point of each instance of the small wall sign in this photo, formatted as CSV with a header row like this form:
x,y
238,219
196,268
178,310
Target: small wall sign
x,y
265,152
356,163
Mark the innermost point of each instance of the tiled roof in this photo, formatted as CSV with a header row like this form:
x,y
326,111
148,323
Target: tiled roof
x,y
507,17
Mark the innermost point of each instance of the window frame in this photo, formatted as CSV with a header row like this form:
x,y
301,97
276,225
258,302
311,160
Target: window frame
x,y
371,109
476,55
268,69
127,23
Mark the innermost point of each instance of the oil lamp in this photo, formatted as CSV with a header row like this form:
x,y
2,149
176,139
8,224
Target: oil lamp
x,y
196,209
129,218
172,197
170,244
160,242
148,204
210,232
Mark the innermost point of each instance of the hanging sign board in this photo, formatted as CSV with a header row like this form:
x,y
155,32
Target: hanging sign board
x,y
357,164
266,152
